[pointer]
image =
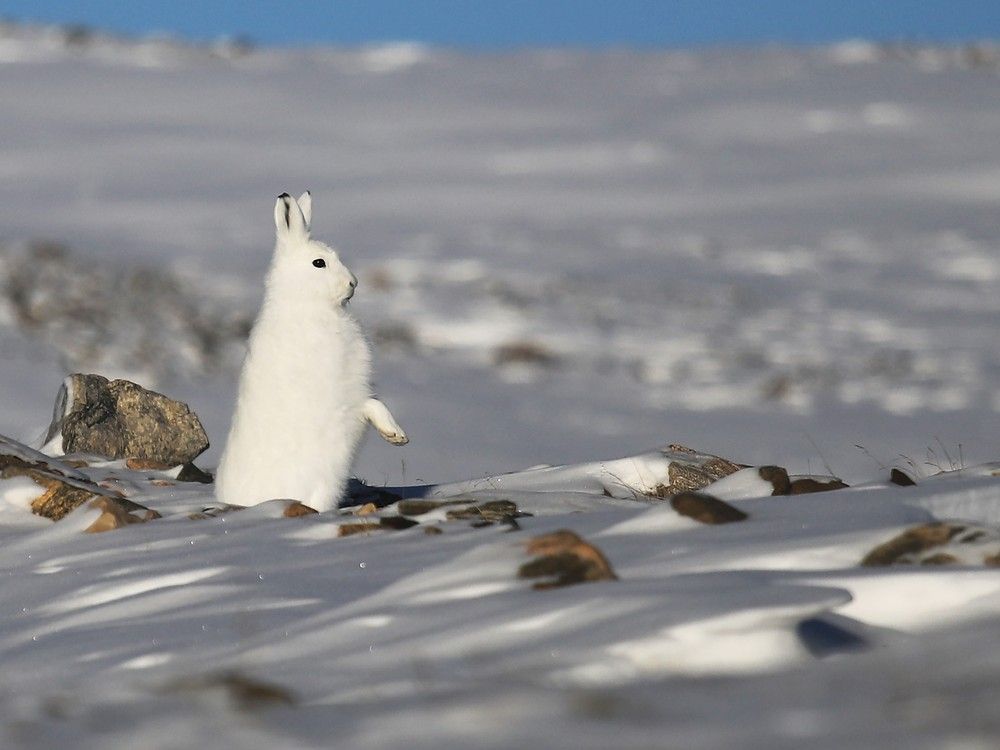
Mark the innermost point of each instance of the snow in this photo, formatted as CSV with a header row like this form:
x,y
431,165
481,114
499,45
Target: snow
x,y
566,258
368,628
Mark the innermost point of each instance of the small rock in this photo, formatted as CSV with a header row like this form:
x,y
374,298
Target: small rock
x,y
191,473
359,493
350,529
565,559
188,472
705,508
214,511
246,694
419,507
389,523
492,511
778,477
524,353
939,543
941,558
910,542
690,470
118,512
295,509
807,485
782,484
828,635
433,530
396,523
119,419
366,510
898,476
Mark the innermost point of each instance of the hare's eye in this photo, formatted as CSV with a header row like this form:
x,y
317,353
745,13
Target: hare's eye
x,y
319,263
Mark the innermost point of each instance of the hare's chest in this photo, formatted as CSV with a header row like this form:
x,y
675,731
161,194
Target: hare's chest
x,y
314,355
340,360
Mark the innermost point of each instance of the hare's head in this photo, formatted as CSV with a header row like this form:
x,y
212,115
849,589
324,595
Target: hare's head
x,y
303,266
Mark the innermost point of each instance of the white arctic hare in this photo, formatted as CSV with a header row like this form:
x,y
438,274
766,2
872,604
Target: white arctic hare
x,y
304,393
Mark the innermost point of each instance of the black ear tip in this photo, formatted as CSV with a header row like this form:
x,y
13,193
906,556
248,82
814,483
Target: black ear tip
x,y
283,196
309,193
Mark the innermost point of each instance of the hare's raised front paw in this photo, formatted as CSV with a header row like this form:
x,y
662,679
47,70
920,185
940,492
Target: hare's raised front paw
x,y
396,438
380,418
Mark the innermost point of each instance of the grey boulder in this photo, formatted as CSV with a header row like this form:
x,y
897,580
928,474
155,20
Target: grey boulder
x,y
120,419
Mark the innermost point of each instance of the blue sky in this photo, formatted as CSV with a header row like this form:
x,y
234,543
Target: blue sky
x,y
512,23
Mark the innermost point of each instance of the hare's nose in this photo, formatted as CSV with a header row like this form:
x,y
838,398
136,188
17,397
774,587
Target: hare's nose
x,y
353,282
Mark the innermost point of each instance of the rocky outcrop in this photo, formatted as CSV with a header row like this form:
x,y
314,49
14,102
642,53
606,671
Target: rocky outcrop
x,y
62,489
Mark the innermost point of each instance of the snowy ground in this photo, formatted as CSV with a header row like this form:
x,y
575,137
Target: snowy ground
x,y
771,255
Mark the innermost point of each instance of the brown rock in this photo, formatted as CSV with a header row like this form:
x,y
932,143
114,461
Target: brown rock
x,y
432,530
350,529
214,511
146,464
295,509
60,500
191,473
971,535
389,523
419,507
941,558
911,542
778,477
897,476
246,694
690,470
119,419
492,511
366,510
806,485
118,512
705,508
63,487
565,559
396,523
524,352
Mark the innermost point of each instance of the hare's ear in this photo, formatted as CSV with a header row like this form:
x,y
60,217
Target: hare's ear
x,y
288,218
305,202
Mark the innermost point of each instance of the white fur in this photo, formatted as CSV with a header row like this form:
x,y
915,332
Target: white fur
x,y
304,393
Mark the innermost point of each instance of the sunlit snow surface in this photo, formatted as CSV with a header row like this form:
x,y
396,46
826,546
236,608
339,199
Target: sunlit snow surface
x,y
771,255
